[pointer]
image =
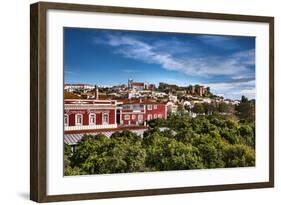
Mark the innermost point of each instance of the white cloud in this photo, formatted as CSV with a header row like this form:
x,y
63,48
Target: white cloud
x,y
159,53
249,93
230,84
178,56
218,41
233,90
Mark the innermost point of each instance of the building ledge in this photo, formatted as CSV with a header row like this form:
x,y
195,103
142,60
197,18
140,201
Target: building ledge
x,y
119,128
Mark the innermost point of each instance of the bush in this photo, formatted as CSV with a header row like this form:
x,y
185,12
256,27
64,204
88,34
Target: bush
x,y
238,156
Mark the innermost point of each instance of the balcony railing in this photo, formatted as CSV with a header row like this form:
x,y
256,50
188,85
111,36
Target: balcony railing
x,y
90,127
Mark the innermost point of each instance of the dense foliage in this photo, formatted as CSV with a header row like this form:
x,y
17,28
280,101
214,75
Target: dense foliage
x,y
206,141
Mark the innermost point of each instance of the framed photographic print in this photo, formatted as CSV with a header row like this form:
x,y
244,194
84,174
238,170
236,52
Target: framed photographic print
x,y
135,102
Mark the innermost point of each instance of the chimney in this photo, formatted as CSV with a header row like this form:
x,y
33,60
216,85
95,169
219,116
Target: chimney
x,y
96,92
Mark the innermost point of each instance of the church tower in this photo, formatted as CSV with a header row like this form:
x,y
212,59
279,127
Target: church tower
x,y
130,82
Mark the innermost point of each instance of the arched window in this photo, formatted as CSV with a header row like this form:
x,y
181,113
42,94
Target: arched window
x,y
105,118
127,117
65,120
92,119
133,117
78,119
140,117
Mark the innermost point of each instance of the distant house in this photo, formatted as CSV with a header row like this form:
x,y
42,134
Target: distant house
x,y
139,86
207,100
171,107
173,98
136,86
134,94
73,87
233,102
159,94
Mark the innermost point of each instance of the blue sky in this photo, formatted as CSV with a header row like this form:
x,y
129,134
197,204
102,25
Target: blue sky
x,y
110,57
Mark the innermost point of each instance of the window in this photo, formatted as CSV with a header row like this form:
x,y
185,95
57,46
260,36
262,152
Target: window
x,y
105,118
126,107
149,107
79,119
137,107
127,117
65,120
140,117
92,119
149,117
155,107
133,117
159,116
155,116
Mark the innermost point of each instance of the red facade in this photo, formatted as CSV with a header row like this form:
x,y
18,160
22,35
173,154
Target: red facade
x,y
89,114
138,113
85,113
108,114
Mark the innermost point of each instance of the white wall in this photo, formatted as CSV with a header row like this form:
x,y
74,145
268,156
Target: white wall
x,y
14,102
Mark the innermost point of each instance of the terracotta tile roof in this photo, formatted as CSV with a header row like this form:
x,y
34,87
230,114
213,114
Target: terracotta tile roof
x,y
137,84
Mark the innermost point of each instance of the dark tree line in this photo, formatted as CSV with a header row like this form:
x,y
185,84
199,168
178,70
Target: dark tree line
x,y
245,110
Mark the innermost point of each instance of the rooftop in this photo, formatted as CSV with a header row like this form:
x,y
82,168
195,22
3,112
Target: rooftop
x,y
73,137
138,84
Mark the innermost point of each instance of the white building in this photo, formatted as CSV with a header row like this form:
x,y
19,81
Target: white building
x,y
159,94
134,94
207,100
171,107
173,98
72,87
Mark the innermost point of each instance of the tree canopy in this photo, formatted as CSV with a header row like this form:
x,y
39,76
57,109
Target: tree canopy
x,y
206,141
246,109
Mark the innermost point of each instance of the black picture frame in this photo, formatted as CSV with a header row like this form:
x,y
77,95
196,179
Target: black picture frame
x,y
38,103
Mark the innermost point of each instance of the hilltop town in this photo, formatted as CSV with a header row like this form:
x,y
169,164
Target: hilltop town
x,y
107,109
173,95
148,122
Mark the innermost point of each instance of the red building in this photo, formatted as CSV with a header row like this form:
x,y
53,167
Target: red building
x,y
108,114
89,114
137,112
138,86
